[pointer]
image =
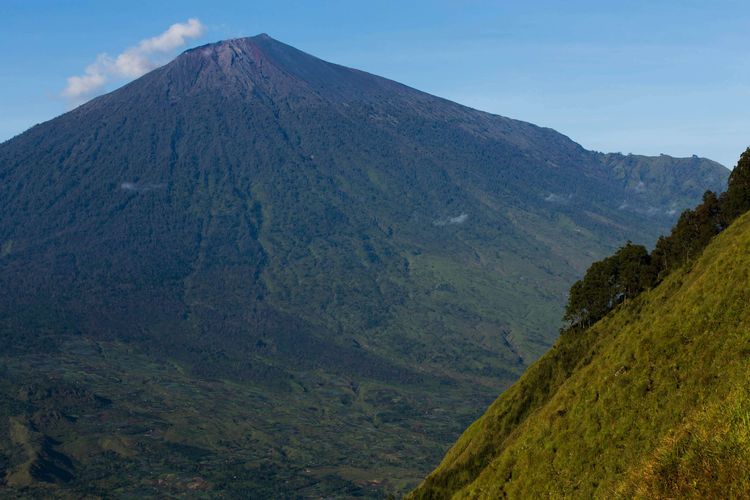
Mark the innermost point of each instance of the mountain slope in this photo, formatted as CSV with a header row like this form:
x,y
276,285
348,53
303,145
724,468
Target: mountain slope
x,y
651,401
661,179
346,253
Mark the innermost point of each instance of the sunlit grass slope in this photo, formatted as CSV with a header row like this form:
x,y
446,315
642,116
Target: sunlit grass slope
x,y
653,401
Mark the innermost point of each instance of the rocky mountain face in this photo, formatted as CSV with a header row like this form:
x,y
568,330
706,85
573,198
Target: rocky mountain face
x,y
327,273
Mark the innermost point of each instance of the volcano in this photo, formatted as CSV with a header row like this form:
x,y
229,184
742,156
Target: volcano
x,y
287,277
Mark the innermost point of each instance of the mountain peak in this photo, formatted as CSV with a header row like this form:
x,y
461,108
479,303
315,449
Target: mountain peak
x,y
260,41
274,68
226,52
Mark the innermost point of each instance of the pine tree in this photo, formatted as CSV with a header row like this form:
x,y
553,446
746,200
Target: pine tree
x,y
736,200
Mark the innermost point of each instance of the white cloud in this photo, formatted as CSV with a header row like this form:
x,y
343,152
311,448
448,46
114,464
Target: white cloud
x,y
459,219
93,79
133,62
132,186
174,37
558,198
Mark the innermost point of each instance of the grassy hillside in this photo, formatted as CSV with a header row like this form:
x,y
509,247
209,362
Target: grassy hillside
x,y
651,401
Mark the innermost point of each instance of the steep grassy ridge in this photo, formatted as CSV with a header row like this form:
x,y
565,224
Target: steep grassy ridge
x,y
652,401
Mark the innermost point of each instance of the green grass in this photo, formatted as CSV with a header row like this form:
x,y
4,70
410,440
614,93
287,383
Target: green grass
x,y
650,402
708,456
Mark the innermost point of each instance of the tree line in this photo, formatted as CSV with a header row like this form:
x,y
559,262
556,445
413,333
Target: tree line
x,y
632,269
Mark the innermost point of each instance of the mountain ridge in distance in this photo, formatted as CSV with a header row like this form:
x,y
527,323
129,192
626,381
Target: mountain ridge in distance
x,y
343,259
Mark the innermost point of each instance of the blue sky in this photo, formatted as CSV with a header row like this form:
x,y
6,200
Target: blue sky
x,y
648,77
